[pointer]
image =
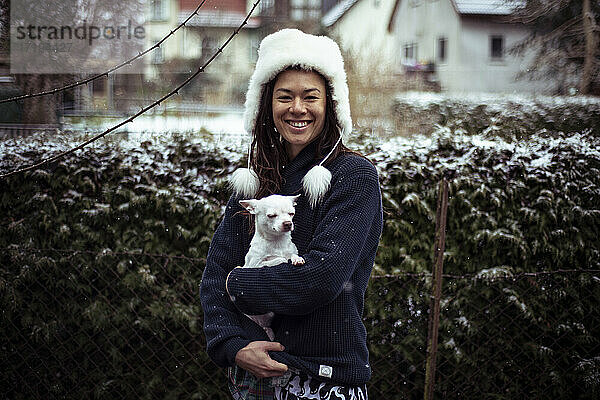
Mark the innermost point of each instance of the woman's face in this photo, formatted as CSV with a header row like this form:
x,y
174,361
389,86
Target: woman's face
x,y
299,108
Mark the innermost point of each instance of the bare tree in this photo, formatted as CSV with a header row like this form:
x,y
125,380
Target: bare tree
x,y
564,40
4,26
590,63
46,109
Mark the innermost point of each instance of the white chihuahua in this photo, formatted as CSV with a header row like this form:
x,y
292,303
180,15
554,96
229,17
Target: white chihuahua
x,y
272,240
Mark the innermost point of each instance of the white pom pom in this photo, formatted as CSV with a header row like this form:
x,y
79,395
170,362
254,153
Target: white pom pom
x,y
316,183
245,182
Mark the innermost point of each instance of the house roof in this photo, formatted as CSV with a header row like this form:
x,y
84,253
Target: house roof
x,y
485,7
471,7
223,5
218,19
223,14
337,12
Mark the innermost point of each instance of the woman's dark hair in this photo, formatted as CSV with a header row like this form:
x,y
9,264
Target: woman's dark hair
x,y
269,153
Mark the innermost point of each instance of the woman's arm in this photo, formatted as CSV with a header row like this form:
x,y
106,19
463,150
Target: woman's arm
x,y
349,229
224,333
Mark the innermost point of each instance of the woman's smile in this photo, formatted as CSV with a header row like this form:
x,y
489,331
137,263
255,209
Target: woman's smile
x,y
299,124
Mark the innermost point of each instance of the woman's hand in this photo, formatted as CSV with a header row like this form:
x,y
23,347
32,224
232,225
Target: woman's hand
x,y
255,359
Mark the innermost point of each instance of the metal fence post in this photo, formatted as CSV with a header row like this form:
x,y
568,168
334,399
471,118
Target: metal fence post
x,y
434,309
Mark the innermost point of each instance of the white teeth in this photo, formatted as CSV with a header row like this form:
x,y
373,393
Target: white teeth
x,y
301,124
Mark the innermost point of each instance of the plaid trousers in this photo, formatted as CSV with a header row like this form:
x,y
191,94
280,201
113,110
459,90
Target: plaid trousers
x,y
245,386
293,385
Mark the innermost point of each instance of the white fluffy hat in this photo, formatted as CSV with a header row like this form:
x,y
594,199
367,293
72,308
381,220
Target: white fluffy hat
x,y
290,48
294,48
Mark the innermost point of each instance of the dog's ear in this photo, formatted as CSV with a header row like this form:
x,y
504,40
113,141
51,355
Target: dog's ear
x,y
249,205
294,198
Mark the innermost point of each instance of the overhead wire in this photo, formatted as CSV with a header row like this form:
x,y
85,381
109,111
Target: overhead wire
x,y
143,110
97,76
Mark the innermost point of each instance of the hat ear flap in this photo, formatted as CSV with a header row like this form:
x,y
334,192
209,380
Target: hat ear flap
x,y
244,182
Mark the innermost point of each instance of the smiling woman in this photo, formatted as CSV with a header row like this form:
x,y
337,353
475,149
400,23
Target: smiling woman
x,y
298,112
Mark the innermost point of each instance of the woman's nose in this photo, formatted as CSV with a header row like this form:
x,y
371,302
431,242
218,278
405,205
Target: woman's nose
x,y
297,107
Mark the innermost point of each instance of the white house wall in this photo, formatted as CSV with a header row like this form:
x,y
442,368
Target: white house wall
x,y
362,31
446,25
156,30
230,70
479,72
423,22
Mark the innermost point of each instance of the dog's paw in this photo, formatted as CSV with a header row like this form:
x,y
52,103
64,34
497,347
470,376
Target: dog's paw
x,y
297,260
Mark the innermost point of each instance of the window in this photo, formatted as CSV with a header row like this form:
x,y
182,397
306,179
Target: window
x,y
99,85
159,10
442,49
314,14
266,7
158,56
496,47
410,52
305,9
183,41
254,43
297,14
209,47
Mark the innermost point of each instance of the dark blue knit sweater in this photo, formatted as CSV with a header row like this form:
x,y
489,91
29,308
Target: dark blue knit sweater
x,y
318,305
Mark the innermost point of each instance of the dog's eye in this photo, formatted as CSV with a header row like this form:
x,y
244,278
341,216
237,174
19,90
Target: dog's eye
x,y
271,215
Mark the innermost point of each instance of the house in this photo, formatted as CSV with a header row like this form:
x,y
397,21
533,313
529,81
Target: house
x,y
225,80
360,28
463,43
460,45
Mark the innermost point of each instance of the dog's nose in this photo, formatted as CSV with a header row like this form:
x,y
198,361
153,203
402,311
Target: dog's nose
x,y
287,226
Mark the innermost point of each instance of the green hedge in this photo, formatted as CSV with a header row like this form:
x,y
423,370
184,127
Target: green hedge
x,y
103,319
521,207
86,302
85,325
512,117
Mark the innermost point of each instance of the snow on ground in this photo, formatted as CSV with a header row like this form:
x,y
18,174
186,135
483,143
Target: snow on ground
x,y
494,100
229,123
223,129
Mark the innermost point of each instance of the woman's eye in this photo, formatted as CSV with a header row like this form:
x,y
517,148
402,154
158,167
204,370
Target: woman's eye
x,y
271,215
291,214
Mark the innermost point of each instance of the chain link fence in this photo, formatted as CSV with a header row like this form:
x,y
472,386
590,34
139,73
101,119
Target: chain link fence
x,y
104,325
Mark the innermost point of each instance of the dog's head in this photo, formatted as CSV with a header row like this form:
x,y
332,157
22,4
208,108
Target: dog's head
x,y
273,213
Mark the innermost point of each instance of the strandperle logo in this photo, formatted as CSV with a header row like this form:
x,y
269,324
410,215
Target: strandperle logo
x,y
81,32
70,37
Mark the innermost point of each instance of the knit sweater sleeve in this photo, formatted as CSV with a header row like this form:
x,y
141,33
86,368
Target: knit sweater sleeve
x,y
342,237
222,326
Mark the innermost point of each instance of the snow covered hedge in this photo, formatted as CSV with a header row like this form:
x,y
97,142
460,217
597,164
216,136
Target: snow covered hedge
x,y
515,206
508,116
524,206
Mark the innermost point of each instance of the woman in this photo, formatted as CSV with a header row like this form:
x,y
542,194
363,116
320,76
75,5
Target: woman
x,y
297,110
